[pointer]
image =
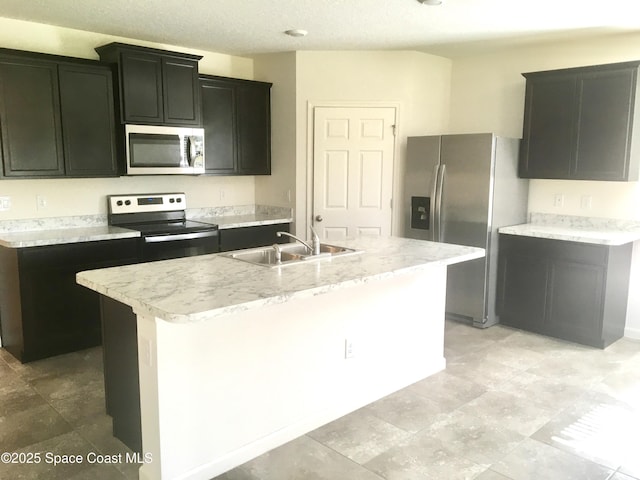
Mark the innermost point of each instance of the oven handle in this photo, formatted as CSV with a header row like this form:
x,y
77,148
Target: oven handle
x,y
180,236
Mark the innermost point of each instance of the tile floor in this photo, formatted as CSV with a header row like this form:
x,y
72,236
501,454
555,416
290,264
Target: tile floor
x,y
510,405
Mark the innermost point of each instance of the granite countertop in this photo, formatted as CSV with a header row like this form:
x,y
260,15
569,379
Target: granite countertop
x,y
599,231
248,220
197,288
37,238
87,228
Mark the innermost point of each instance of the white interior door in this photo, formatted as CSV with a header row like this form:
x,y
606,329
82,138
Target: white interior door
x,y
353,154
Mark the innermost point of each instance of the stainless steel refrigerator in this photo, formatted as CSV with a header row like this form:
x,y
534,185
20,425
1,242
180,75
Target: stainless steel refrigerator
x,y
460,189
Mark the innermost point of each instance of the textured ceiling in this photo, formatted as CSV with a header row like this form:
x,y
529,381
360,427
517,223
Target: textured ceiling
x,y
245,27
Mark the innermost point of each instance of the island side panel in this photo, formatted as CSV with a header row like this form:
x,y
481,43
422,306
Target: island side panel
x,y
217,393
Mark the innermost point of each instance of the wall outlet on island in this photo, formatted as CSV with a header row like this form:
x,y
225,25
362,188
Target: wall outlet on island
x,y
349,348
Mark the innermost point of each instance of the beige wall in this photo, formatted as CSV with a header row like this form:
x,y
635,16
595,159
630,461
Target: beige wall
x,y
487,94
279,188
87,196
417,83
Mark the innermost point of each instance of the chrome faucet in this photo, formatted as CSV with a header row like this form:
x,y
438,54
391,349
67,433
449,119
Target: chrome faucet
x,y
315,240
278,253
314,248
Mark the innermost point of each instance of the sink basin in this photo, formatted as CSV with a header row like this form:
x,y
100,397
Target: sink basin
x,y
292,254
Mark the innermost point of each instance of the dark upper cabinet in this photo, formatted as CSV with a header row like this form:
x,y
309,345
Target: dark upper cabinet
x,y
219,122
156,87
88,121
578,124
545,151
141,88
254,128
56,116
569,290
30,118
236,116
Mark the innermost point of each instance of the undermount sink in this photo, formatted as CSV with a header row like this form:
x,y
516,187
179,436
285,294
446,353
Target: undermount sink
x,y
291,254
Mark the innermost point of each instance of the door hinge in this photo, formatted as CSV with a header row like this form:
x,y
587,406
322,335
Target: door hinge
x,y
393,129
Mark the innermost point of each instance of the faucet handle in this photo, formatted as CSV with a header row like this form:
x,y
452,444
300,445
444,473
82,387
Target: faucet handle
x,y
315,240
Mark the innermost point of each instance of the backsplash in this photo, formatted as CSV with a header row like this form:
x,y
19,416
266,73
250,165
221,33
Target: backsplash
x,y
239,210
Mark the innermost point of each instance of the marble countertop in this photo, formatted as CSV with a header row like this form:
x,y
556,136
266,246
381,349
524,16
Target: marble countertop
x,y
248,220
37,238
60,230
584,234
575,228
197,288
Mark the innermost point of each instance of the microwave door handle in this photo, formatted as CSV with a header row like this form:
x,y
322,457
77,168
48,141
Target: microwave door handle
x,y
191,151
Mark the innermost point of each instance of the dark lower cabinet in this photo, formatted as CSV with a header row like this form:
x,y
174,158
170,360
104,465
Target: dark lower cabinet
x,y
121,377
569,290
43,311
250,237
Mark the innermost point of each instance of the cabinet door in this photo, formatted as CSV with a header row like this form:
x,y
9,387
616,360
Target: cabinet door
x,y
575,301
181,92
58,315
548,137
30,118
87,111
604,125
254,129
219,122
141,80
522,285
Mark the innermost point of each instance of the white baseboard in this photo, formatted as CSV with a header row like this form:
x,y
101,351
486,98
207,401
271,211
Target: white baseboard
x,y
633,333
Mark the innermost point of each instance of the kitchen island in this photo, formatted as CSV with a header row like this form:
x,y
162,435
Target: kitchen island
x,y
235,359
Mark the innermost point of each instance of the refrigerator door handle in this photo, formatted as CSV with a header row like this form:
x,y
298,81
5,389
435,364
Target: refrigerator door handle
x,y
432,204
438,201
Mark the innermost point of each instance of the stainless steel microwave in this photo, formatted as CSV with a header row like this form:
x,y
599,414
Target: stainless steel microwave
x,y
158,150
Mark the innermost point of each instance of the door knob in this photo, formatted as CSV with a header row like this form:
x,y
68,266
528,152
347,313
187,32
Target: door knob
x,y
318,218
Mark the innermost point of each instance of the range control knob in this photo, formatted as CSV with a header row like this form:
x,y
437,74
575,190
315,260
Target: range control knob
x,y
171,200
179,200
119,203
127,202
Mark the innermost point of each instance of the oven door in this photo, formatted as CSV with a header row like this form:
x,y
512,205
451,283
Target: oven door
x,y
176,245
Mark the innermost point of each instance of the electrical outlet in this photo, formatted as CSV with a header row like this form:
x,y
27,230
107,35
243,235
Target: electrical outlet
x,y
222,194
5,203
41,202
586,201
349,348
145,352
558,200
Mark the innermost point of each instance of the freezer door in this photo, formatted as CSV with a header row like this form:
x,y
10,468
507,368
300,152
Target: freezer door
x,y
465,218
423,155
